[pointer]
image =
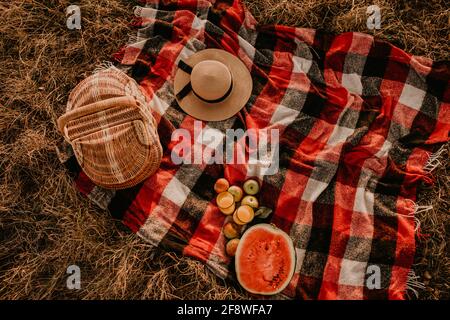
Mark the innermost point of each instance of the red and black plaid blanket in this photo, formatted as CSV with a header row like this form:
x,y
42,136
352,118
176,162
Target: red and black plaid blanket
x,y
358,120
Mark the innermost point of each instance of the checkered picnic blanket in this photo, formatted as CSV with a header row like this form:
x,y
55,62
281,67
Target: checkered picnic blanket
x,y
358,120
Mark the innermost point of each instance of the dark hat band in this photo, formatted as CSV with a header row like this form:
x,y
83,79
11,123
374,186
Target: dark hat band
x,y
188,87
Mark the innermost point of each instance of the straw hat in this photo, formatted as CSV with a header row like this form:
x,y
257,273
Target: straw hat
x,y
212,85
111,129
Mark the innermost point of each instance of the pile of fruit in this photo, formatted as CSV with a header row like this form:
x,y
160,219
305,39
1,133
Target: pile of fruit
x,y
241,205
264,255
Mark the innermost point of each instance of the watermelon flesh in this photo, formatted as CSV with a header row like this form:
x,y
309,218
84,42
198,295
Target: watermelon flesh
x,y
265,260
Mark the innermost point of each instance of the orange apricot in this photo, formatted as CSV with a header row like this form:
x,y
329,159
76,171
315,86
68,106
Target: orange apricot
x,y
221,185
245,213
229,210
225,199
237,220
231,247
231,230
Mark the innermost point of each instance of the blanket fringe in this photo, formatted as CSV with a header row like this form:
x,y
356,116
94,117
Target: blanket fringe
x,y
132,39
432,163
413,283
413,214
103,66
434,160
137,11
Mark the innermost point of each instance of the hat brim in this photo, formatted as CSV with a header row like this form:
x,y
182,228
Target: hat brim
x,y
240,92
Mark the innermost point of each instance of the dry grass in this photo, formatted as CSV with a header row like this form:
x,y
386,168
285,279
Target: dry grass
x,y
432,260
44,223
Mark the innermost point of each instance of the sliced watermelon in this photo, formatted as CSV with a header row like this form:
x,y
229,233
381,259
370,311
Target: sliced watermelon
x,y
265,260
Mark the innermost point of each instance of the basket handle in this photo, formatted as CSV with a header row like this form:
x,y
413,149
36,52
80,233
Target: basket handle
x,y
94,107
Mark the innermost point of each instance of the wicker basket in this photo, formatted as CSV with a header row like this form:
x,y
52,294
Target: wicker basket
x,y
109,124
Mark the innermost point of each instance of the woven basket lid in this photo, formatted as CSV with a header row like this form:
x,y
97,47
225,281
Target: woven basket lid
x,y
109,124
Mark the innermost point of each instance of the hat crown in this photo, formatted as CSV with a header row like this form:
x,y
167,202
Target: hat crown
x,y
211,79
